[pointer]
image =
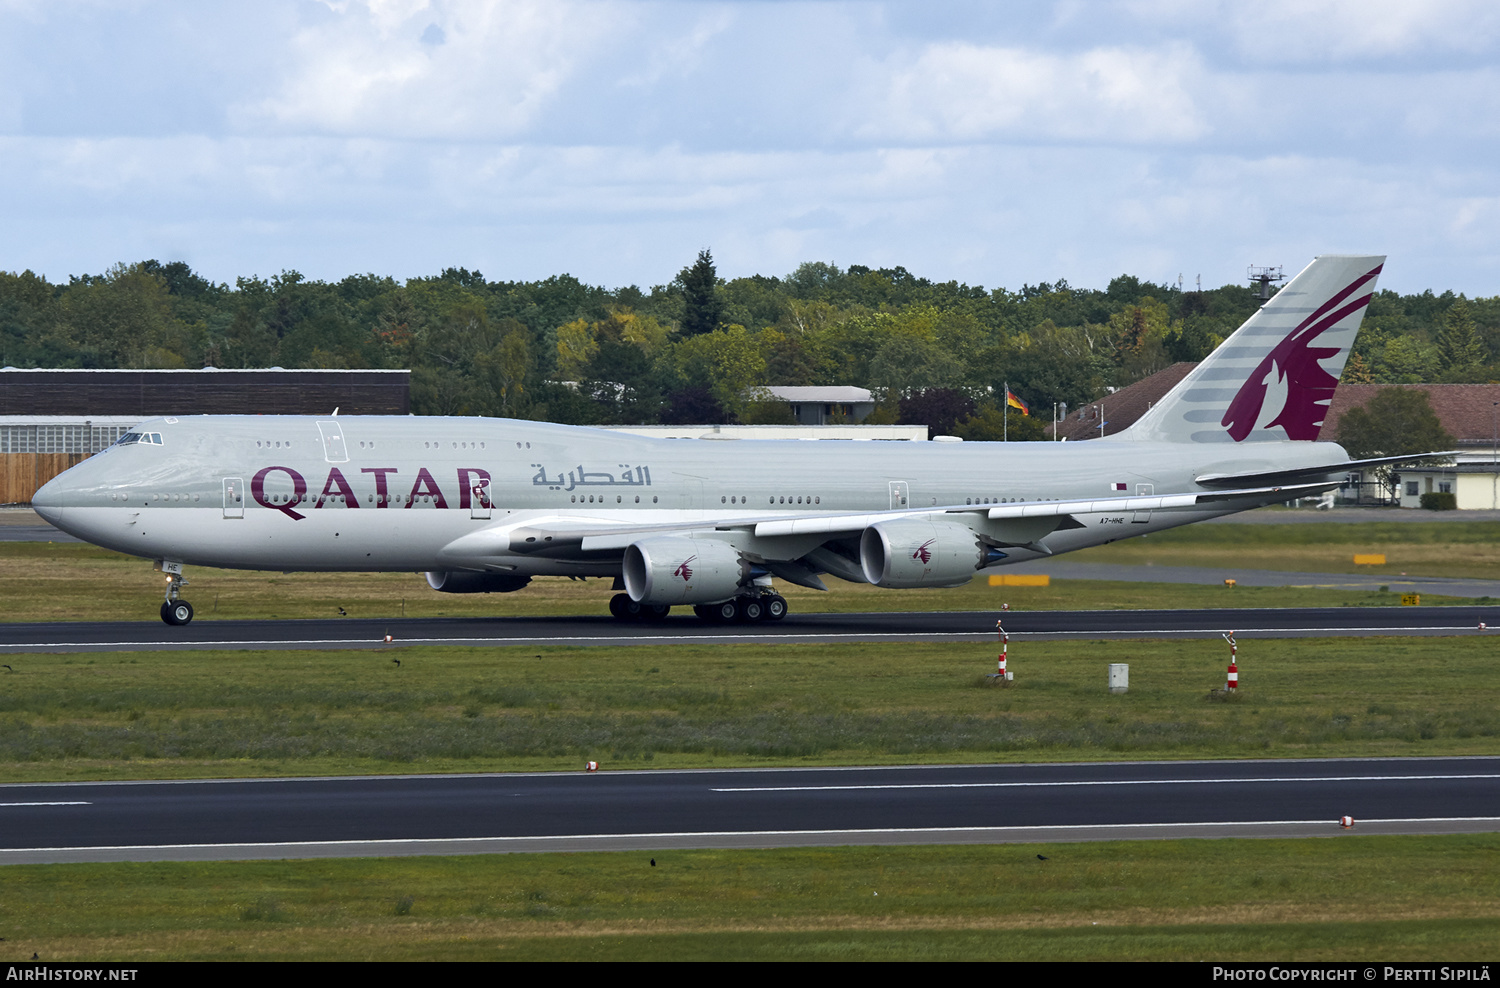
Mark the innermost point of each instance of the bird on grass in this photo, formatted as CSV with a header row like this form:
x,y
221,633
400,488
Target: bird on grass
x,y
343,613
653,862
398,663
1042,857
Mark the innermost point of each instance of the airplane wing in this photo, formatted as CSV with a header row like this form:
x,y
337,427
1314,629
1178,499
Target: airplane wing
x,y
571,535
1304,474
834,524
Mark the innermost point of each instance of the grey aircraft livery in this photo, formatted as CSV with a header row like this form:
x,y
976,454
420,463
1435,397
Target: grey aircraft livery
x,y
483,505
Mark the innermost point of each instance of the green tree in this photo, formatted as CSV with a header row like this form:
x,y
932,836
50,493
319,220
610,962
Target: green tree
x,y
907,364
1395,422
1460,350
1138,335
502,370
125,319
703,306
725,364
991,425
1406,360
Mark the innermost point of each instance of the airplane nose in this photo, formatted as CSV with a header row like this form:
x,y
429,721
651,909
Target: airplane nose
x,y
48,501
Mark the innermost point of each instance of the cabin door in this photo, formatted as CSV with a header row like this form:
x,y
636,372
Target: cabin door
x,y
234,497
1142,517
479,498
900,497
334,448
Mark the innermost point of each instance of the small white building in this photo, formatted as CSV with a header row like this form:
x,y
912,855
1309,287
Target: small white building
x,y
1474,482
825,405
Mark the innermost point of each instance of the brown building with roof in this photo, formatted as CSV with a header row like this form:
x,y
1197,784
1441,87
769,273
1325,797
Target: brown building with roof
x,y
1469,412
1118,410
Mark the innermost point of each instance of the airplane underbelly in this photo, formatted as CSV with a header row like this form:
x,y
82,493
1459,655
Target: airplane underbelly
x,y
330,540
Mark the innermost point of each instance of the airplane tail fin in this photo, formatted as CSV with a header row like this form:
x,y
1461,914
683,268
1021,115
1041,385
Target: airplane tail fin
x,y
1274,377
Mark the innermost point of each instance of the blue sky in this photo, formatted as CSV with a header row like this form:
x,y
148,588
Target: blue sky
x,y
993,143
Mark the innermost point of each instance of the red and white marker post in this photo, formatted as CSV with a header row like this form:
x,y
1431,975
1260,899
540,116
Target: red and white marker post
x,y
1004,647
1232,683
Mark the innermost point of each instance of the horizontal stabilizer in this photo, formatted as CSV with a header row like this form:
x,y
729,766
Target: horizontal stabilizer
x,y
1307,474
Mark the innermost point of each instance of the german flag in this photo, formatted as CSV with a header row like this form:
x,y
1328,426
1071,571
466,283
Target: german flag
x,y
1014,402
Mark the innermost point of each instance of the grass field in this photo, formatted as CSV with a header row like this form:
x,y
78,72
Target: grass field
x,y
1363,898
222,714
1456,549
71,582
234,713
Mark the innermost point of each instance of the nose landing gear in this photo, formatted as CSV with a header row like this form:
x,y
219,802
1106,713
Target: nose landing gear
x,y
174,610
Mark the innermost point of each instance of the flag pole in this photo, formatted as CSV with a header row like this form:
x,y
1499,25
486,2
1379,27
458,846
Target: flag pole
x,y
1006,413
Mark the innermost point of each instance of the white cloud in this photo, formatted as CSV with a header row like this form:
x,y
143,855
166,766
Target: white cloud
x,y
1320,32
366,70
963,91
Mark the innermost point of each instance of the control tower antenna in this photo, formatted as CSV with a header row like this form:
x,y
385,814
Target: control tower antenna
x,y
1263,278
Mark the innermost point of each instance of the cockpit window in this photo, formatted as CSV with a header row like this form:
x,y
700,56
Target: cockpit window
x,y
150,438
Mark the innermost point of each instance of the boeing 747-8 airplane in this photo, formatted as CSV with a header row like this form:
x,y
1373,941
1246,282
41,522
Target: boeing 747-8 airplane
x,y
483,505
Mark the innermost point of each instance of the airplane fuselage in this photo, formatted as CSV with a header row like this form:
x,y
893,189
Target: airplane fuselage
x,y
396,493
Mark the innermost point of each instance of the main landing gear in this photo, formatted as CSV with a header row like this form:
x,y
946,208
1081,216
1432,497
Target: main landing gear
x,y
174,610
744,610
737,610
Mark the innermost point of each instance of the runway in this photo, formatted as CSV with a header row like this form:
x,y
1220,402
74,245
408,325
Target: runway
x,y
992,804
1447,586
956,626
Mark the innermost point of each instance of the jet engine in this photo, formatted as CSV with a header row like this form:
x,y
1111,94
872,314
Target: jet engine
x,y
919,552
682,570
447,581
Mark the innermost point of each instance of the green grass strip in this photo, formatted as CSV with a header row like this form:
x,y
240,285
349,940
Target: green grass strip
x,y
1348,897
227,713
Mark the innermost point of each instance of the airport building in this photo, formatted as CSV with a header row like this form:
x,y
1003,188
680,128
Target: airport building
x,y
51,419
825,405
1469,412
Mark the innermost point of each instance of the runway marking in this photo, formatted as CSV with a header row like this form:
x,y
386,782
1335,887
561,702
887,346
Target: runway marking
x,y
69,803
872,831
669,639
1104,782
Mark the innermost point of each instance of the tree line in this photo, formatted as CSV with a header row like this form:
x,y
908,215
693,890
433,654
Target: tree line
x,y
696,349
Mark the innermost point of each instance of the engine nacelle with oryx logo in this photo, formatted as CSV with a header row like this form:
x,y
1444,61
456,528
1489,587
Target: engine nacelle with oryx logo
x,y
920,552
681,570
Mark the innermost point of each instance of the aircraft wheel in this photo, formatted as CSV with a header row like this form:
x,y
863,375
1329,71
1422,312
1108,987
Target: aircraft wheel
x,y
176,612
655,612
622,607
775,607
719,613
748,610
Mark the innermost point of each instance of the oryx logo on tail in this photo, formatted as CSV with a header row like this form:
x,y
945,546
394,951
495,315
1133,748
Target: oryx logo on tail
x,y
1294,365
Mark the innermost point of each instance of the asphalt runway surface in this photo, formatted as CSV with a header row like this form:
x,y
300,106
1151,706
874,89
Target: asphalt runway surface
x,y
1447,586
986,804
926,626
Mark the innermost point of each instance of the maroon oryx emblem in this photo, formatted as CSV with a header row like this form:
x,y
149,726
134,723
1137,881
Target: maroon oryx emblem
x,y
1295,362
685,571
923,553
